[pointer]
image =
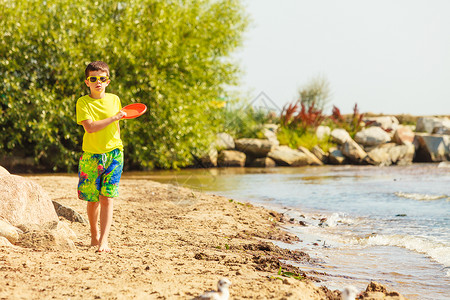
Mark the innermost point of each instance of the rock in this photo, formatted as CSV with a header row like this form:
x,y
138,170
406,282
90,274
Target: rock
x,y
231,158
403,135
377,291
379,156
5,242
402,154
431,147
353,152
262,162
286,156
68,213
23,201
210,159
270,132
224,141
372,136
428,124
254,147
323,132
3,171
9,232
320,154
336,157
312,159
340,136
51,236
388,123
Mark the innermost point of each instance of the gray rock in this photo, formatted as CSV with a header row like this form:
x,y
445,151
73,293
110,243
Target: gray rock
x,y
320,154
312,159
262,162
379,156
402,154
336,157
210,159
270,132
224,141
323,132
286,156
231,158
254,147
68,213
428,124
372,136
353,152
340,136
389,123
431,147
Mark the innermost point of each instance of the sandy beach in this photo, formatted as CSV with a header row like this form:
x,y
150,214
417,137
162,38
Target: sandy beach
x,y
168,242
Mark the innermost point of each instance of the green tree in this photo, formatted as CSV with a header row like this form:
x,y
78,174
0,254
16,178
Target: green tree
x,y
174,56
315,93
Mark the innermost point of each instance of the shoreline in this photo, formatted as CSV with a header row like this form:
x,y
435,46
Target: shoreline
x,y
169,242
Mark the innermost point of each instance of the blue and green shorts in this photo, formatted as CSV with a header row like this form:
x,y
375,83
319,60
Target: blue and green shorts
x,y
99,174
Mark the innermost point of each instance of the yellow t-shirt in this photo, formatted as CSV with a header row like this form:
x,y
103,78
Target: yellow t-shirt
x,y
108,138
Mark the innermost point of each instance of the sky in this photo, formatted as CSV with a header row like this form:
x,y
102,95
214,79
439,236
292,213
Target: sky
x,y
388,56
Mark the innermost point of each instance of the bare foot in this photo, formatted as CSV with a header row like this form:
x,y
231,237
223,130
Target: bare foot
x,y
95,242
104,248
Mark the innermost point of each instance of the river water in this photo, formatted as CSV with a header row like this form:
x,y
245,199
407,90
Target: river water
x,y
388,224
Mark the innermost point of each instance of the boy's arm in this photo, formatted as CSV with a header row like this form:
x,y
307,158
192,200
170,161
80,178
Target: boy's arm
x,y
94,126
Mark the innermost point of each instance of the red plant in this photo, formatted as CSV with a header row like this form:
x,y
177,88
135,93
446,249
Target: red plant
x,y
336,116
305,118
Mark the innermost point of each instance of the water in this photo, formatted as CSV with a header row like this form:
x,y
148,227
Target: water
x,y
367,223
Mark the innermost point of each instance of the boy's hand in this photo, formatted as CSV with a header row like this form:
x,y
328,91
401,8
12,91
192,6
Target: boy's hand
x,y
121,114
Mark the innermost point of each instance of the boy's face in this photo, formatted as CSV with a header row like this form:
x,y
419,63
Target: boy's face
x,y
98,87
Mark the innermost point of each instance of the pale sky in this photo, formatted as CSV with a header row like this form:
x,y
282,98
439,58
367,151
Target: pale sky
x,y
389,56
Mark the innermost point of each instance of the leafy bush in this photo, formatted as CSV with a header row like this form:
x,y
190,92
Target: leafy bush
x,y
170,55
315,93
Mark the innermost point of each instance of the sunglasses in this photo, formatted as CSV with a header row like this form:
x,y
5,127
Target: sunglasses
x,y
96,78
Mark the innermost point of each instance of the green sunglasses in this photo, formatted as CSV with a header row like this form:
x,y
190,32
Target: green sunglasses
x,y
96,78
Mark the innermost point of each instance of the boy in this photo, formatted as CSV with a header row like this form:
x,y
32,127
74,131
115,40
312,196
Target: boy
x,y
101,164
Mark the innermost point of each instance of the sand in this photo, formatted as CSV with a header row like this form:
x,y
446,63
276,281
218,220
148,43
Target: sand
x,y
168,243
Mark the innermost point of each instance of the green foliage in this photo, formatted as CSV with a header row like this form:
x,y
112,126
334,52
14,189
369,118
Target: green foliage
x,y
308,139
170,55
244,121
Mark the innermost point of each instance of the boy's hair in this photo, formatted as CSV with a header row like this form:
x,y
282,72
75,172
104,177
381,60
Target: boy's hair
x,y
96,66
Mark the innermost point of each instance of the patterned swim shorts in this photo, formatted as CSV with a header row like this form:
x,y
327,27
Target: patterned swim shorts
x,y
99,174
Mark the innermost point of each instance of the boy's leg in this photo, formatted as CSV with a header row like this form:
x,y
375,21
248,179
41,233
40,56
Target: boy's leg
x,y
106,214
93,212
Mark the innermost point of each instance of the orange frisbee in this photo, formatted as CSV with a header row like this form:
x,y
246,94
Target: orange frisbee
x,y
134,110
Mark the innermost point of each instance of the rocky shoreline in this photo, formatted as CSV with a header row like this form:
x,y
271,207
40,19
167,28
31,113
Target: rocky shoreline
x,y
382,142
168,243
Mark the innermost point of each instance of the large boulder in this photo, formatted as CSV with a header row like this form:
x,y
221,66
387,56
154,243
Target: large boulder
x,y
231,158
402,154
431,147
404,135
68,213
336,157
261,162
23,201
372,136
353,152
209,159
224,141
340,136
270,132
312,159
254,147
323,132
3,171
388,123
286,156
379,156
320,154
432,124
